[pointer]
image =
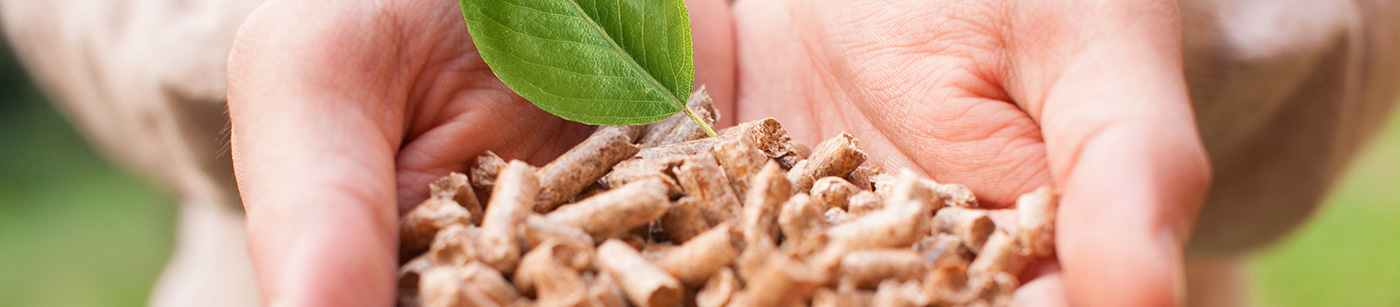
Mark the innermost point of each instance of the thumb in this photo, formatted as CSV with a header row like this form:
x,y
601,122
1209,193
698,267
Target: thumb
x,y
1108,90
313,154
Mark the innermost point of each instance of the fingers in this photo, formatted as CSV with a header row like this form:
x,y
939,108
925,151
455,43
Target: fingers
x,y
1046,290
313,150
1108,92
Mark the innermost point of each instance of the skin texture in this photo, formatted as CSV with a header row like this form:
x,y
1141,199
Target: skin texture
x,y
341,108
1005,96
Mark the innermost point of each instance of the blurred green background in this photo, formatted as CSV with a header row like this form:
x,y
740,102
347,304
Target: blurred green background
x,y
74,229
77,231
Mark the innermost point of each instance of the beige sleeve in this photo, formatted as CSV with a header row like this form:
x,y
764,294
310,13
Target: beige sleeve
x,y
1285,92
142,79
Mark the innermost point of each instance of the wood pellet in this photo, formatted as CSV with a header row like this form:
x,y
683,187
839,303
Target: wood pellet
x,y
664,216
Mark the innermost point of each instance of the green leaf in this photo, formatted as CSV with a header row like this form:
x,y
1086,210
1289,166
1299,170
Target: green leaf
x,y
600,62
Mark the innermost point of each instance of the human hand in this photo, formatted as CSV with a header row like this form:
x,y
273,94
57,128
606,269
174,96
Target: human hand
x,y
1005,96
342,108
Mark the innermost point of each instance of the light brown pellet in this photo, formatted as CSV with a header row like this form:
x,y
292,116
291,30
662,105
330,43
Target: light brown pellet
x,y
718,289
768,134
781,282
615,211
538,229
761,206
409,275
1035,221
516,189
702,256
755,257
473,285
703,179
973,226
862,203
644,283
994,290
543,274
679,128
741,160
455,245
867,269
684,220
420,225
908,187
639,169
837,156
953,195
483,173
863,177
800,151
584,164
897,226
1002,254
603,291
893,293
832,192
946,281
457,187
826,297
836,216
803,225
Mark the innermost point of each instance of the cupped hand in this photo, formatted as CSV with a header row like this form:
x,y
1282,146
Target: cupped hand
x,y
1005,96
343,111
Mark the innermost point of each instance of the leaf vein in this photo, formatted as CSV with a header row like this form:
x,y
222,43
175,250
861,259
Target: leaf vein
x,y
541,90
650,79
508,28
530,8
562,69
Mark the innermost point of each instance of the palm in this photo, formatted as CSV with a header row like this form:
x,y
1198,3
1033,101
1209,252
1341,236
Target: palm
x,y
919,93
455,107
465,110
920,89
1003,96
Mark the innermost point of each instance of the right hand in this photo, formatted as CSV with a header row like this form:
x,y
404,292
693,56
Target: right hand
x,y
343,111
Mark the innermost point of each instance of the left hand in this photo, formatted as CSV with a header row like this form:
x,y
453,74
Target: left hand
x,y
1005,96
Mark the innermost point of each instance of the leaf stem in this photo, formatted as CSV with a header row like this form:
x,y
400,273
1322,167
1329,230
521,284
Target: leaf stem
x,y
698,121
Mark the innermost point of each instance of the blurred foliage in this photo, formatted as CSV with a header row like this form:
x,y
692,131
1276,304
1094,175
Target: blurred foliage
x,y
76,231
1349,254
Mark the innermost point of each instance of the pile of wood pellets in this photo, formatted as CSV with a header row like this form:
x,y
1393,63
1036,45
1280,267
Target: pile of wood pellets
x,y
660,215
